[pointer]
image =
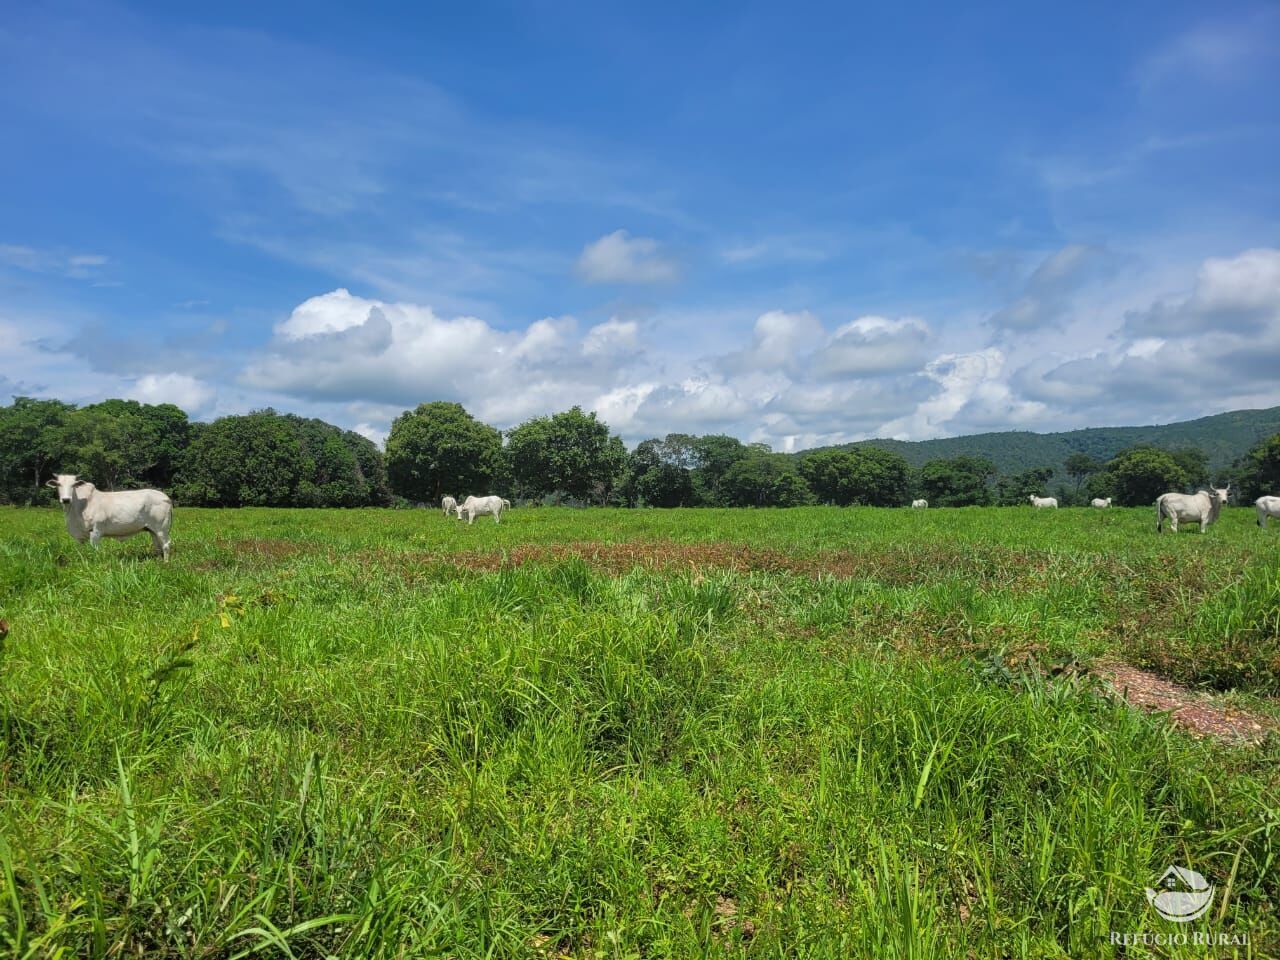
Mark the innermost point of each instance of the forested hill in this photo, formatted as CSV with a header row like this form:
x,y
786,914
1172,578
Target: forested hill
x,y
1224,437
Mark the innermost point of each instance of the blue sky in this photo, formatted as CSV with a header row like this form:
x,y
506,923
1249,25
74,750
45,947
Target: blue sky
x,y
796,224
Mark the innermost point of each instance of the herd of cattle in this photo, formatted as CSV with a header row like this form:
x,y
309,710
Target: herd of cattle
x,y
92,514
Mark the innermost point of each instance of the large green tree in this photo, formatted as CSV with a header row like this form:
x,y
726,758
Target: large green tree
x,y
1080,467
32,448
569,452
765,480
957,481
1014,490
1194,463
659,474
868,475
437,449
1136,477
1258,472
254,460
713,455
123,443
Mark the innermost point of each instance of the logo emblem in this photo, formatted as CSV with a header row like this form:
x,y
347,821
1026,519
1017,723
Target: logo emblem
x,y
1185,897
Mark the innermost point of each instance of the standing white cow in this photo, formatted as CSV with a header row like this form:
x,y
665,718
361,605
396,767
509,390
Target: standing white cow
x,y
1201,507
919,504
449,505
92,514
1101,503
1267,507
1041,502
474,507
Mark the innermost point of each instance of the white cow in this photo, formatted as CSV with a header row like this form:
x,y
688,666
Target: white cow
x,y
506,504
1039,502
1201,507
1267,507
92,514
1101,503
919,504
474,507
449,505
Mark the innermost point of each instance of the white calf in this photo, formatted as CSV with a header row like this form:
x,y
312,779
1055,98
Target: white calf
x,y
1041,502
92,514
1267,507
449,505
1201,507
1099,502
919,504
474,507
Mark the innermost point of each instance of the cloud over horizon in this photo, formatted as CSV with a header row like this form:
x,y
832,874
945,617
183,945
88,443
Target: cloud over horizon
x,y
793,381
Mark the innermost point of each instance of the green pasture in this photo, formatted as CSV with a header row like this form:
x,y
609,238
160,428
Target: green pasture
x,y
814,732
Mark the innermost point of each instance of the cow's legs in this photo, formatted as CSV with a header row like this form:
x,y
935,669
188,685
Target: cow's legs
x,y
95,537
160,543
1173,523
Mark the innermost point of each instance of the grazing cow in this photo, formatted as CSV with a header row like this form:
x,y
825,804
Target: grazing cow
x,y
449,505
1267,507
1201,507
474,507
919,504
1101,503
1040,502
92,514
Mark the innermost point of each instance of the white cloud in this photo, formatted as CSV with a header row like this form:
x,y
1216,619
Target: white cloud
x,y
620,258
1214,349
191,394
792,381
612,339
873,346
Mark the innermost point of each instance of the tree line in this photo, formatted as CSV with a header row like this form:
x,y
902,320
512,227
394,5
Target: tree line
x,y
265,458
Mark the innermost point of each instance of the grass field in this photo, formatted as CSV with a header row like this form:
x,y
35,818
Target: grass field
x,y
623,734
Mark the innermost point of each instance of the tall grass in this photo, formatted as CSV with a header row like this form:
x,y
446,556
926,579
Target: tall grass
x,y
316,734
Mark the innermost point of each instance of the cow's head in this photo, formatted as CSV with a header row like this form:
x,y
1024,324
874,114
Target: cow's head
x,y
1224,493
66,484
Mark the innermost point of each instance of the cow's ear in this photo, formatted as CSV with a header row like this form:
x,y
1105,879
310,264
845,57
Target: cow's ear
x,y
81,483
51,483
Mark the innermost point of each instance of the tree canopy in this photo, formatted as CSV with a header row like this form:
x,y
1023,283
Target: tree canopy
x,y
439,448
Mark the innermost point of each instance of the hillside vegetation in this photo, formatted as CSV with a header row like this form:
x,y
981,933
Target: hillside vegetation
x,y
1223,437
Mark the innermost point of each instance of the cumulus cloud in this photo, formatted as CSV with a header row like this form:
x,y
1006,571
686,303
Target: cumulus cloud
x,y
1240,294
192,395
1215,348
791,380
340,347
614,338
619,257
874,345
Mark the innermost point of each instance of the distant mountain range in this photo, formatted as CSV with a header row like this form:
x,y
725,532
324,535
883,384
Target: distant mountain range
x,y
1224,437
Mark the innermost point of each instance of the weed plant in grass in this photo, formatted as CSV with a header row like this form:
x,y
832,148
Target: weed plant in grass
x,y
342,734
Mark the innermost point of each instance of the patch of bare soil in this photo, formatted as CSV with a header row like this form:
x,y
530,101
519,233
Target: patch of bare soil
x,y
1194,712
